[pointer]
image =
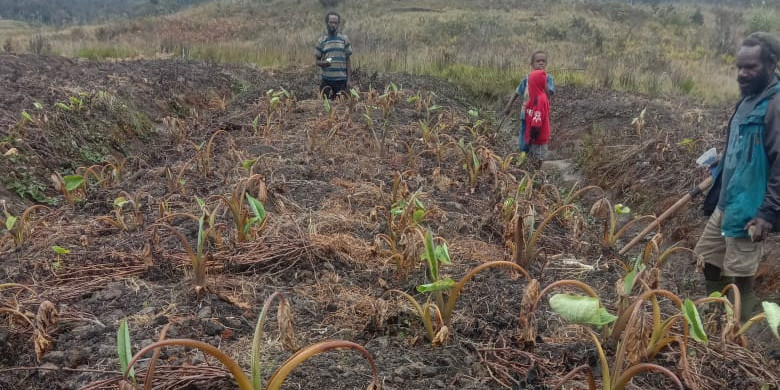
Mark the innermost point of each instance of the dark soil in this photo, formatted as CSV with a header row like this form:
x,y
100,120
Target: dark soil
x,y
328,184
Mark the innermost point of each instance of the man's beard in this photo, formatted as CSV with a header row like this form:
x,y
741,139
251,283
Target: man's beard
x,y
755,85
332,30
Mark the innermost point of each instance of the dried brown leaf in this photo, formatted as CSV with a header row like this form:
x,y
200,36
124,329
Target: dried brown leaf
x,y
47,315
526,332
381,309
442,336
600,209
636,339
262,191
42,343
285,320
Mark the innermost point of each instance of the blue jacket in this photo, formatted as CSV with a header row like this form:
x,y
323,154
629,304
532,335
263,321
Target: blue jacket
x,y
754,188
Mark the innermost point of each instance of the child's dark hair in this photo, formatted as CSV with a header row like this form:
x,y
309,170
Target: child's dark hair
x,y
533,56
332,13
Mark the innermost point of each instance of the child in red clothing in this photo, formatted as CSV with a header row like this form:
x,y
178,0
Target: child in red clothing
x,y
537,115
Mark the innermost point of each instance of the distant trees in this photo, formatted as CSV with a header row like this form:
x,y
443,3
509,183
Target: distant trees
x,y
697,18
63,12
329,3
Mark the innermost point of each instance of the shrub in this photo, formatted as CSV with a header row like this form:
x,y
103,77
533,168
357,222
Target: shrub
x,y
697,18
39,45
8,46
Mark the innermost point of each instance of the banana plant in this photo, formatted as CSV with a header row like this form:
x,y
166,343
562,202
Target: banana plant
x,y
526,234
71,186
732,330
471,163
247,227
603,209
197,256
616,377
435,255
588,311
254,380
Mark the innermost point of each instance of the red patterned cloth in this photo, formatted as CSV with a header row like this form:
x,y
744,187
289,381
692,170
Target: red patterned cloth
x,y
537,110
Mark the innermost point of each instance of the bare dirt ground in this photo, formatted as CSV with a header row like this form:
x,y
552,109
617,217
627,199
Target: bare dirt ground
x,y
183,129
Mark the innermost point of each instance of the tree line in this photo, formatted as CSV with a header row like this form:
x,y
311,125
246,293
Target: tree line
x,y
67,12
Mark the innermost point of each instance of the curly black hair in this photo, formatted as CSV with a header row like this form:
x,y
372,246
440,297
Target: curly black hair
x,y
332,13
770,46
533,56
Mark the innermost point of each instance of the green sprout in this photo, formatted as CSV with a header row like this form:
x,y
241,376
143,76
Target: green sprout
x,y
60,251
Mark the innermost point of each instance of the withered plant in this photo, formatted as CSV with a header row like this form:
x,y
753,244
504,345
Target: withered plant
x,y
475,126
198,256
423,102
573,194
175,182
387,102
527,234
403,218
254,380
587,310
203,151
177,129
106,175
522,194
617,376
635,346
471,163
276,105
642,342
18,227
436,308
352,98
646,269
639,122
127,215
321,133
247,228
732,330
603,210
38,324
432,313
72,187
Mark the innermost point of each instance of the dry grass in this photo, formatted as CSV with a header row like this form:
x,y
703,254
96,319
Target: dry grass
x,y
484,46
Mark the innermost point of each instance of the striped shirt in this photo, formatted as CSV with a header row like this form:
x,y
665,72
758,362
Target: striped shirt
x,y
338,49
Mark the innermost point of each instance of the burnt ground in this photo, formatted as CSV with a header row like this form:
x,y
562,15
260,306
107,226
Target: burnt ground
x,y
181,129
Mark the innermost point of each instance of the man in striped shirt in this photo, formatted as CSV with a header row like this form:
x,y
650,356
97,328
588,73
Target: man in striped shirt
x,y
332,53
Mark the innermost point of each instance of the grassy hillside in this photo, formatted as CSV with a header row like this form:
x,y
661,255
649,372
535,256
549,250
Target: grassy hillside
x,y
684,49
63,12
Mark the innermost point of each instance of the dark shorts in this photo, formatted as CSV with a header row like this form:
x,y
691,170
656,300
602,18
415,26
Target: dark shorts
x,y
332,88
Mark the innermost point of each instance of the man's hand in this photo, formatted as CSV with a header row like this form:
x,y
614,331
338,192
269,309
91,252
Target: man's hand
x,y
758,229
323,63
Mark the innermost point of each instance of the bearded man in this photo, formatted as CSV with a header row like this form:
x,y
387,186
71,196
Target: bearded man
x,y
745,200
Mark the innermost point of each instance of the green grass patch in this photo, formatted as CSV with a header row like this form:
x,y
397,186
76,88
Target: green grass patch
x,y
480,82
106,52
